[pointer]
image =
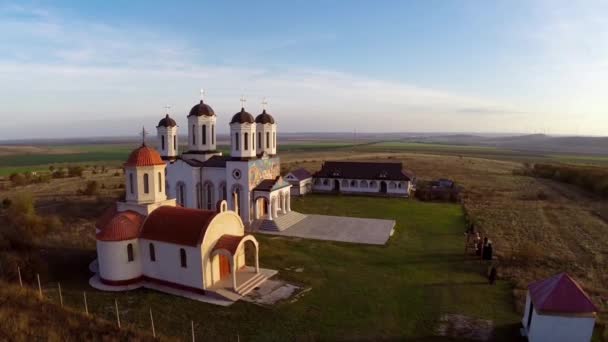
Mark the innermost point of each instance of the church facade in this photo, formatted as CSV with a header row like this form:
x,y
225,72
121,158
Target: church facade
x,y
249,179
148,240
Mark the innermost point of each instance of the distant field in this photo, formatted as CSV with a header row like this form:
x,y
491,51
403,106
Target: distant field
x,y
38,158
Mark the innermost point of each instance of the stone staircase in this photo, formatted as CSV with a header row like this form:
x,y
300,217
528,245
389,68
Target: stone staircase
x,y
280,223
250,284
242,289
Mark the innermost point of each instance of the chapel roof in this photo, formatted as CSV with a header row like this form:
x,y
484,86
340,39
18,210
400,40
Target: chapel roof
x,y
122,226
178,225
560,294
301,174
144,156
201,109
242,117
271,184
166,122
264,118
364,170
228,242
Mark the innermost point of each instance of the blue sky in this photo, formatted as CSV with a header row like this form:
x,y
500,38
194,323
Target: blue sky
x,y
73,68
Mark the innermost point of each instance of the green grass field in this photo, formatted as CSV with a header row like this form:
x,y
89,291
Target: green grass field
x,y
398,291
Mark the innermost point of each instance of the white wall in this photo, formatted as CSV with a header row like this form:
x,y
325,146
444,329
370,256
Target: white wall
x,y
224,223
401,188
241,129
180,171
168,263
155,194
113,260
549,328
198,122
169,133
244,200
271,129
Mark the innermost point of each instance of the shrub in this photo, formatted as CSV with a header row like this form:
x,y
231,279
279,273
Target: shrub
x,y
18,179
75,171
92,188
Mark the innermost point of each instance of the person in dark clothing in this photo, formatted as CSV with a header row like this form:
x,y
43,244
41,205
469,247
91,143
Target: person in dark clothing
x,y
492,275
487,251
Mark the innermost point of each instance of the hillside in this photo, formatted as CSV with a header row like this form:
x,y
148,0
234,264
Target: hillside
x,y
25,317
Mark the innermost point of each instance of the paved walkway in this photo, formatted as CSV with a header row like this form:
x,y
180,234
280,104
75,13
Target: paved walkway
x,y
338,228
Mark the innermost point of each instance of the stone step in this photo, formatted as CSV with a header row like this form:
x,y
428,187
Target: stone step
x,y
249,281
282,222
251,284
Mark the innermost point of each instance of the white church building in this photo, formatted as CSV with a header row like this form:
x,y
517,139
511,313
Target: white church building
x,y
249,179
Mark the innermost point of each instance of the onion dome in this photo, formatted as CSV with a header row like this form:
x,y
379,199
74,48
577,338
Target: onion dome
x,y
144,156
166,122
264,118
201,109
125,225
242,117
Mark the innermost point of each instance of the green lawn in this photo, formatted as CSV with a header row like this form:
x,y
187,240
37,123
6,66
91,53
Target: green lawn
x,y
398,291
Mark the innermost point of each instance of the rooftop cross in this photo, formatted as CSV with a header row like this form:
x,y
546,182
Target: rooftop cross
x,y
167,107
243,100
264,103
202,94
143,135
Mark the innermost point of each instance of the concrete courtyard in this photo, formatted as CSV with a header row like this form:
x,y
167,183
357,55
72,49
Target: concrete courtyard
x,y
339,228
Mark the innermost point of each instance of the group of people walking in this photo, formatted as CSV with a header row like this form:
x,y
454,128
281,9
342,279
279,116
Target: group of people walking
x,y
481,248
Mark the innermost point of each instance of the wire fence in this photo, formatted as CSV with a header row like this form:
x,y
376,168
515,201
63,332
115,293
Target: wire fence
x,y
106,305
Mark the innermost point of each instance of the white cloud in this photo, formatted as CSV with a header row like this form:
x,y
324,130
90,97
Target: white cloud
x,y
84,74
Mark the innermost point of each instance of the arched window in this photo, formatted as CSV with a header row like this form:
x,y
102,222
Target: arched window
x,y
199,196
146,183
175,142
325,182
372,184
131,185
344,183
130,256
259,139
182,257
204,134
274,139
253,141
181,194
236,197
162,142
208,196
267,139
152,252
363,184
246,141
160,182
223,194
193,135
213,134
236,141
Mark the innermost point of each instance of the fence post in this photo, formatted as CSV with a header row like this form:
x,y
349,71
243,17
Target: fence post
x,y
192,325
19,274
152,323
60,296
39,286
117,314
86,307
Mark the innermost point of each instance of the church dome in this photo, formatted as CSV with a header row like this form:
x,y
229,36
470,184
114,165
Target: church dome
x,y
201,109
242,117
264,118
144,156
166,122
123,226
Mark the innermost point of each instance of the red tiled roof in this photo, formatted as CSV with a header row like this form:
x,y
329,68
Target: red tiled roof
x,y
560,294
181,226
123,226
107,215
228,242
144,156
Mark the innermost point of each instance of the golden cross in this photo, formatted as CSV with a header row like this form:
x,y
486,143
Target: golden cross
x,y
202,94
143,135
243,100
167,107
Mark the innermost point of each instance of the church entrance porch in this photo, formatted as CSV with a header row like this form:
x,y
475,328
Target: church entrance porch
x,y
231,252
